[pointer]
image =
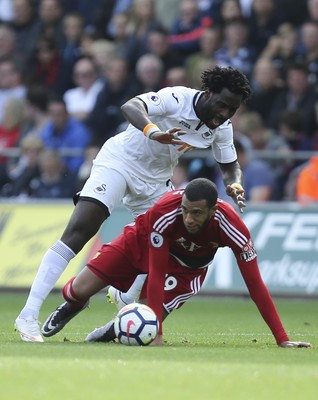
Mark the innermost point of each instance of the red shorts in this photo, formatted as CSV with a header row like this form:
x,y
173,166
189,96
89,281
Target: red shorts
x,y
116,269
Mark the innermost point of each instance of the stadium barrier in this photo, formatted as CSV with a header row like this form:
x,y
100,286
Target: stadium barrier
x,y
285,236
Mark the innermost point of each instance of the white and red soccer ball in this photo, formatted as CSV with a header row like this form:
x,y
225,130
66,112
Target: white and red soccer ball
x,y
136,325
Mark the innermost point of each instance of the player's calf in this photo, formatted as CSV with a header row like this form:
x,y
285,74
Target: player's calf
x,y
65,312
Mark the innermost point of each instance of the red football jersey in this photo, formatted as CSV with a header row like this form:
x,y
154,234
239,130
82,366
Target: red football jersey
x,y
160,233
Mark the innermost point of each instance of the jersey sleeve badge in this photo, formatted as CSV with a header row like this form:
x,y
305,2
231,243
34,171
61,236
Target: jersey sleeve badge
x,y
156,239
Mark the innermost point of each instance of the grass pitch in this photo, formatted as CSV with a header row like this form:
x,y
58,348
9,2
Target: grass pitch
x,y
215,349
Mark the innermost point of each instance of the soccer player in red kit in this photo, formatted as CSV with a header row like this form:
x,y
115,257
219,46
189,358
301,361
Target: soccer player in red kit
x,y
175,239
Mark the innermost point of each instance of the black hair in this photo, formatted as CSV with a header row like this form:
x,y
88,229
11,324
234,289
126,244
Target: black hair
x,y
218,78
38,96
202,189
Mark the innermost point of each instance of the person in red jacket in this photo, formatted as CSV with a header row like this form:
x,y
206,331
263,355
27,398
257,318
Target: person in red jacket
x,y
176,238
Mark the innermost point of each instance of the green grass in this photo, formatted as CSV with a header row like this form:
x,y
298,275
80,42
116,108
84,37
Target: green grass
x,y
215,349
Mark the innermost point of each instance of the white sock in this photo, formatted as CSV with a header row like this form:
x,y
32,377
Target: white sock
x,y
134,291
53,264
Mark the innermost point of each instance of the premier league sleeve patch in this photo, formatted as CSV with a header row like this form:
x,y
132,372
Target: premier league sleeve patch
x,y
156,239
154,99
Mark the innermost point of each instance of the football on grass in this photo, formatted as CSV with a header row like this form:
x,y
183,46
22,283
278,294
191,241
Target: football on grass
x,y
136,325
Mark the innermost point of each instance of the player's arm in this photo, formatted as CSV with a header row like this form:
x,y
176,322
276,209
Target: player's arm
x,y
264,302
238,238
233,180
158,262
136,112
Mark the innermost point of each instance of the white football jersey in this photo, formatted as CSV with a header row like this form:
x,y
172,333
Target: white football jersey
x,y
131,152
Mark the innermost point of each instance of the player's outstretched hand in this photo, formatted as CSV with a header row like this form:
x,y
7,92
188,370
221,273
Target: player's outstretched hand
x,y
294,344
237,193
169,137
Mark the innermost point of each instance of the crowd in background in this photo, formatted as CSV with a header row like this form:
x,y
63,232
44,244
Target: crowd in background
x,y
66,67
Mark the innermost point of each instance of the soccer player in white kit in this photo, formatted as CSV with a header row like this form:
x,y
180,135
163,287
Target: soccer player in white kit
x,y
136,165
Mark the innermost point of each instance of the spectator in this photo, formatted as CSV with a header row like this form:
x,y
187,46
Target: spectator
x,y
50,14
266,84
65,132
187,29
27,29
11,85
298,95
70,49
120,34
230,10
158,44
143,20
90,10
307,182
47,65
209,42
235,50
291,127
295,11
25,169
176,76
259,182
102,51
80,100
167,18
281,48
10,129
149,73
264,21
36,115
264,139
106,115
290,188
309,49
312,9
55,181
8,49
107,11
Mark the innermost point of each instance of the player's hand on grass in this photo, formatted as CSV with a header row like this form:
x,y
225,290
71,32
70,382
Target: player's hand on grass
x,y
158,341
236,191
169,137
289,344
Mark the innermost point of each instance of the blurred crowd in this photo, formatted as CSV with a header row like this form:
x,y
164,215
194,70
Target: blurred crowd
x,y
66,67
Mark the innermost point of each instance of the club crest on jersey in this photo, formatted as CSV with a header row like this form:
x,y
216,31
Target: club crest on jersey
x,y
156,239
101,189
249,251
154,99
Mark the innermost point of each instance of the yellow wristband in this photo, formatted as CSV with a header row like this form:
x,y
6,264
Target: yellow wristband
x,y
237,186
149,129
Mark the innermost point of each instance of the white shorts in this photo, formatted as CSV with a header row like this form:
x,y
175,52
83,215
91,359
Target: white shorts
x,y
112,188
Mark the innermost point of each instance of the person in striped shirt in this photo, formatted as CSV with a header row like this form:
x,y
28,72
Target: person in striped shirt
x,y
174,243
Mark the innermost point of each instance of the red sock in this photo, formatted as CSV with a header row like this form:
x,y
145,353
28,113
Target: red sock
x,y
71,297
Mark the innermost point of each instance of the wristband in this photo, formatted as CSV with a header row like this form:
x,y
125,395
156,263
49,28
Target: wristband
x,y
149,129
237,186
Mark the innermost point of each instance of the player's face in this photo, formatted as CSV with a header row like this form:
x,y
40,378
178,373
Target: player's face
x,y
196,214
215,108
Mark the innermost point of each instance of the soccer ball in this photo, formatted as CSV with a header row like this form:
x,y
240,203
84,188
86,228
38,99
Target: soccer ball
x,y
136,325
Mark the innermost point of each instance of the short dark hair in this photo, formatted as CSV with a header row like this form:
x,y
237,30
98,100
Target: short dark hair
x,y
202,189
219,78
38,96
